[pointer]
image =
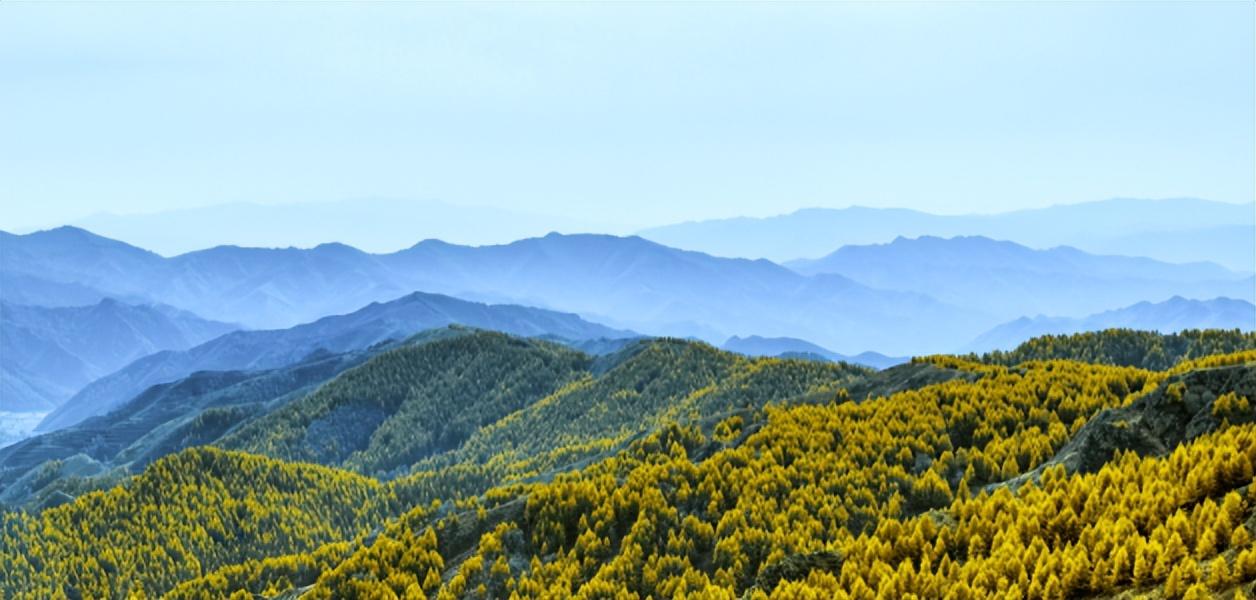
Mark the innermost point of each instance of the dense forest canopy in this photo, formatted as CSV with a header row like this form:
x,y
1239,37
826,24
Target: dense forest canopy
x,y
676,470
1127,347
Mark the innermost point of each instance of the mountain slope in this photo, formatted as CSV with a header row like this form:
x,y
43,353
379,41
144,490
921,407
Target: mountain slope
x,y
839,500
20,288
69,255
216,508
639,389
418,400
1128,347
1172,315
54,352
1117,226
484,395
812,496
1231,246
251,350
412,402
1010,280
164,419
1189,405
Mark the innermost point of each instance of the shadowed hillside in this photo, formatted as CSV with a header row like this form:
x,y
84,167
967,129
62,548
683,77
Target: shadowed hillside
x,y
252,350
51,353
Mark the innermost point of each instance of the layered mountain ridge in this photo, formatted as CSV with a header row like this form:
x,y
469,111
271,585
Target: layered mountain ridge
x,y
895,299
1174,314
1009,280
269,349
1173,230
52,352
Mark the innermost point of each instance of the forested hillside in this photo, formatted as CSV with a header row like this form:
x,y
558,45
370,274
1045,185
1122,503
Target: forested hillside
x,y
413,402
1173,315
363,328
1127,347
164,419
517,407
671,469
194,511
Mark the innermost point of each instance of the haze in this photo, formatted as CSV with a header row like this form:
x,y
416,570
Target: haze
x,y
617,117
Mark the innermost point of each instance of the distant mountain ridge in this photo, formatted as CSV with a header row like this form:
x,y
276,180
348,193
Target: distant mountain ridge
x,y
626,282
1118,226
374,224
268,349
1170,316
919,298
1010,280
165,418
50,353
795,348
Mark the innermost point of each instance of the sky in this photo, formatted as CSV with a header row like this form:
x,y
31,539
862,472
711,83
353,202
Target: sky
x,y
624,114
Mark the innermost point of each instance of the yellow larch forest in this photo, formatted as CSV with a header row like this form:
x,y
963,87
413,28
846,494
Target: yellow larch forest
x,y
956,490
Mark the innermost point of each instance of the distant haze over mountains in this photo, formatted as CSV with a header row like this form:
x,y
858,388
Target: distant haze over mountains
x,y
1008,280
1172,315
1173,230
624,282
49,353
372,224
907,297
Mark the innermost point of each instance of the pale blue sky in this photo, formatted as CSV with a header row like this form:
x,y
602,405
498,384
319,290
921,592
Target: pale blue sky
x,y
634,114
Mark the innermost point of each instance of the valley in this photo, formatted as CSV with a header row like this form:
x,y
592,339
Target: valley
x,y
16,426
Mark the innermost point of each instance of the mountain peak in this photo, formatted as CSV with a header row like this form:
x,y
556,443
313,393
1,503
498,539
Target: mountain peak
x,y
70,234
67,230
336,248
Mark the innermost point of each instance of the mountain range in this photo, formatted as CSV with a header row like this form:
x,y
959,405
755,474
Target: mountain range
x,y
625,282
1172,230
373,224
628,283
1009,280
50,353
1172,315
270,349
